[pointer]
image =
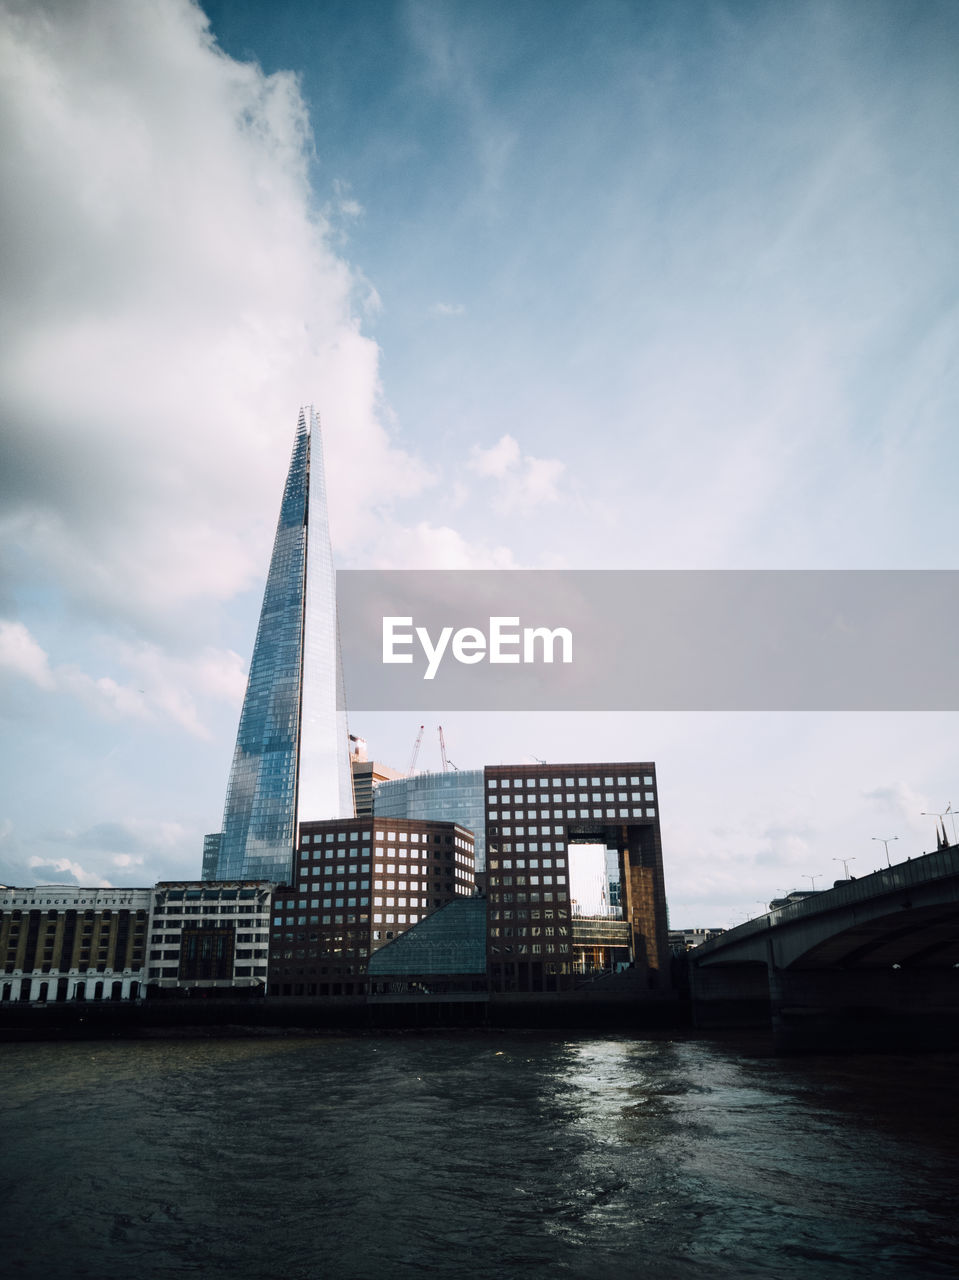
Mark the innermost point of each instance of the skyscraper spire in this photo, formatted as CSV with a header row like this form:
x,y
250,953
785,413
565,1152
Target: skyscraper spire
x,y
291,760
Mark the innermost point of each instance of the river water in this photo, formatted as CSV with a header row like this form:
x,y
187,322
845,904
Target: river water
x,y
473,1155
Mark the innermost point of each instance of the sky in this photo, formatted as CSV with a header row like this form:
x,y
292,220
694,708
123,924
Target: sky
x,y
579,285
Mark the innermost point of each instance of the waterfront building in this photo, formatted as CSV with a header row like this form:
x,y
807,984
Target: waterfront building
x,y
359,884
61,942
292,756
209,938
455,796
542,928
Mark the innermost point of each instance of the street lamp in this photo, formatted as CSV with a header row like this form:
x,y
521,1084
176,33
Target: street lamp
x,y
845,865
885,841
813,879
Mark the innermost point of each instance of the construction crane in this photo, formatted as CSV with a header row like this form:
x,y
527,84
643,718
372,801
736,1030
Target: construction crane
x,y
447,763
416,750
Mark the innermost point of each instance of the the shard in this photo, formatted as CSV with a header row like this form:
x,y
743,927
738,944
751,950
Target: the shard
x,y
291,761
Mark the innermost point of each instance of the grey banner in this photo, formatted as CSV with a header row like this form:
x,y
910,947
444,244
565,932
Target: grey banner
x,y
650,640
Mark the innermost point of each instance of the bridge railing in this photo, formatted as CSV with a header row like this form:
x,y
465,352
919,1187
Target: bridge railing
x,y
915,871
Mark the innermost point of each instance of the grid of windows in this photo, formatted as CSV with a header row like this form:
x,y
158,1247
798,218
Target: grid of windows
x,y
357,885
531,815
59,942
184,914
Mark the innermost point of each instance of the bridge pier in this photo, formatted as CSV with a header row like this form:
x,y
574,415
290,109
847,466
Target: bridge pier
x,y
880,1010
832,1010
734,995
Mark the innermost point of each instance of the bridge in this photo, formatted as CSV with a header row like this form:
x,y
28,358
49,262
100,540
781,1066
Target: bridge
x,y
872,963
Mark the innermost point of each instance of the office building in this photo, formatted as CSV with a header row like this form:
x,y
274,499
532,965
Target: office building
x,y
454,796
60,942
209,938
548,829
292,756
359,884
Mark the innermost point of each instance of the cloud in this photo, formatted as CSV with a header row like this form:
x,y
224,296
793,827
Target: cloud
x,y
344,203
20,653
901,811
172,687
64,866
126,860
103,695
159,687
784,847
164,256
449,309
455,54
524,480
540,480
898,798
427,546
126,839
498,460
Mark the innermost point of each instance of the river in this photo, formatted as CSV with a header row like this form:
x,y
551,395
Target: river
x,y
473,1155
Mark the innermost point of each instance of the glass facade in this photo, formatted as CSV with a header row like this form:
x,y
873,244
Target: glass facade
x,y
291,753
438,797
211,855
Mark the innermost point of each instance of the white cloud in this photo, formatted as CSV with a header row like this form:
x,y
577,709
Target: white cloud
x,y
524,480
498,460
127,860
450,309
103,695
451,56
62,866
540,480
172,687
345,204
19,652
427,546
159,686
171,267
125,838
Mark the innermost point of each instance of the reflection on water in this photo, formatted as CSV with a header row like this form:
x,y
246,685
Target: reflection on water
x,y
494,1155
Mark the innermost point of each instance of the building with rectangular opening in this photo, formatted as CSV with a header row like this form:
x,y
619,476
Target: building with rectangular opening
x,y
538,938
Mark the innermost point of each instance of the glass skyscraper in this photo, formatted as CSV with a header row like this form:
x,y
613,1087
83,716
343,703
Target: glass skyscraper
x,y
291,761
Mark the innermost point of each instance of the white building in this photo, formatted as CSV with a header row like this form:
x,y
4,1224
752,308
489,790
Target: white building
x,y
212,936
60,942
